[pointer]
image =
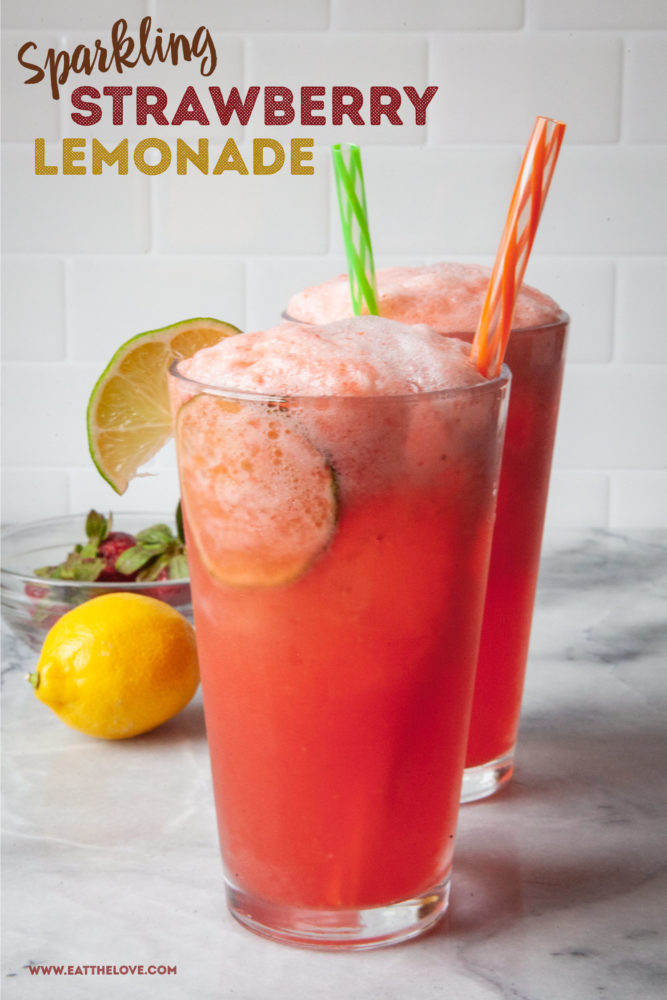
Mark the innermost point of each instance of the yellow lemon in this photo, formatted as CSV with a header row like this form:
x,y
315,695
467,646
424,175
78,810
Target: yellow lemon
x,y
118,665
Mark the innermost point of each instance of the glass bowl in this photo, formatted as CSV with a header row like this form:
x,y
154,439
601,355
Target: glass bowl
x,y
32,604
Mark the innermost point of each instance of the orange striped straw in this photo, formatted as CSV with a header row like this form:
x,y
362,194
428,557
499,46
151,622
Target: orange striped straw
x,y
530,192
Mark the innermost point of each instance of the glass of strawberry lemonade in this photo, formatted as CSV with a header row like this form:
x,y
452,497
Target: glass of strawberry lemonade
x,y
338,486
449,297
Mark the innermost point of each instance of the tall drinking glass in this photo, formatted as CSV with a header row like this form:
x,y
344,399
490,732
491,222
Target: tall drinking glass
x,y
448,296
535,356
338,550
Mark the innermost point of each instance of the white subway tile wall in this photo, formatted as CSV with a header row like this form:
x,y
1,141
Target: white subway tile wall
x,y
71,214
25,111
62,14
150,290
523,72
427,15
88,261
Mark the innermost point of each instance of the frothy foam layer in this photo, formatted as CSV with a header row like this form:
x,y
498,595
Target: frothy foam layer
x,y
362,356
446,296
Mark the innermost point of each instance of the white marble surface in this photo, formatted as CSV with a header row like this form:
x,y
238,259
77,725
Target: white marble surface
x,y
560,883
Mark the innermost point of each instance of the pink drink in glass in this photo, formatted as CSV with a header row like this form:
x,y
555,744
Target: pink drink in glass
x,y
338,491
449,296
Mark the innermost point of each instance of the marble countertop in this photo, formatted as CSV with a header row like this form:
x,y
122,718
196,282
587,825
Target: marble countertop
x,y
560,882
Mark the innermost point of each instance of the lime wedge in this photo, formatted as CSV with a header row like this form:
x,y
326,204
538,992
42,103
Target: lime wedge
x,y
260,500
128,418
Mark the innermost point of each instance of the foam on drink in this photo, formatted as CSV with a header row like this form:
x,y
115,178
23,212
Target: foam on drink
x,y
447,296
364,357
361,356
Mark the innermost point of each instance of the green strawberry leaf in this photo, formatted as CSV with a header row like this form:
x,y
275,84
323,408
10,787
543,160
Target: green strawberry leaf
x,y
132,559
97,527
156,538
77,567
88,551
87,569
178,567
48,572
153,569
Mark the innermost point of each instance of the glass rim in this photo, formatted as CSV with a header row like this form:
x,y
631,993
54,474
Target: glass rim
x,y
227,392
562,319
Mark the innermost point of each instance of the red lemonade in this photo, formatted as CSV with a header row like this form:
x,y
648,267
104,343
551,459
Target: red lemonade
x,y
338,487
449,297
535,356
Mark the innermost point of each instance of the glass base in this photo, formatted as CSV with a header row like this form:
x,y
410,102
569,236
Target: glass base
x,y
351,930
487,779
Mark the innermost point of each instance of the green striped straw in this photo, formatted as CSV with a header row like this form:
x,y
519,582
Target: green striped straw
x,y
356,234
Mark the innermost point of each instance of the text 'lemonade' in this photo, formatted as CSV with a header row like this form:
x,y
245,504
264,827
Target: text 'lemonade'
x,y
449,296
338,487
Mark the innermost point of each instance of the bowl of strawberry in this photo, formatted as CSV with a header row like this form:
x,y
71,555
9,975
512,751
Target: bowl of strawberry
x,y
51,566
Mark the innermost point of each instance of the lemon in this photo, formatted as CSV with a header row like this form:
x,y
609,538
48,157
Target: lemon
x,y
117,665
128,416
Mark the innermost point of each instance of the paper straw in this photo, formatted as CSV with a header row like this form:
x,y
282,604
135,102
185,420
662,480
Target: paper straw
x,y
530,192
356,233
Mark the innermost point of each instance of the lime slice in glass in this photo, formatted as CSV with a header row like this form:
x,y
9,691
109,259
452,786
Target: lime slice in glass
x,y
260,500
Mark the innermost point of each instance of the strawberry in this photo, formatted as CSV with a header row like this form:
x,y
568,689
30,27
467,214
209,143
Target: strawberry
x,y
109,550
155,553
107,556
176,595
